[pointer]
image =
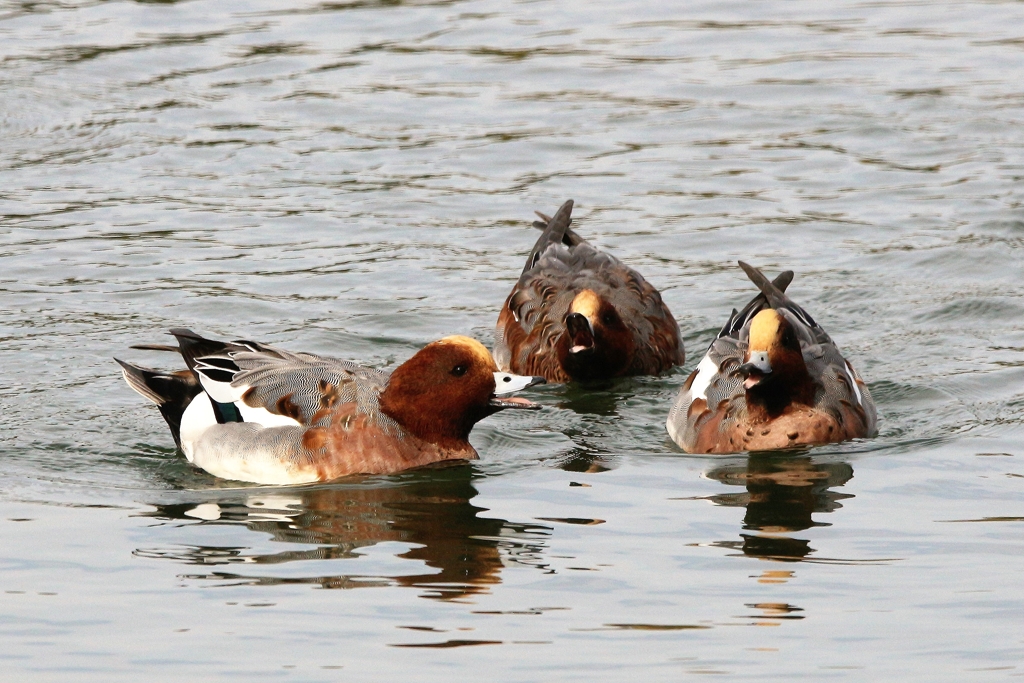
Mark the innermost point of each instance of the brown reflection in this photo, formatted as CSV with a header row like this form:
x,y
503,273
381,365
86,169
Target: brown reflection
x,y
782,492
585,459
430,509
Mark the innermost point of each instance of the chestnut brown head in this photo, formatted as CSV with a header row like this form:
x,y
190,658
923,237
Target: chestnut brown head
x,y
446,388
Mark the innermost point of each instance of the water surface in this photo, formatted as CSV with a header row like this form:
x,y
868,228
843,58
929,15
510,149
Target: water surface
x,y
357,179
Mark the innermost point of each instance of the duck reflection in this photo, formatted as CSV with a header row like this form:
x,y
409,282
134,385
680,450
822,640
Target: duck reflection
x,y
782,492
429,509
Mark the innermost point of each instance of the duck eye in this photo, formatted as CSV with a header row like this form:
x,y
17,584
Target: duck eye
x,y
608,318
460,369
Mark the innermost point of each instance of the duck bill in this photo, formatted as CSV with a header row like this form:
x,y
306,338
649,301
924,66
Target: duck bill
x,y
507,383
497,404
755,369
580,331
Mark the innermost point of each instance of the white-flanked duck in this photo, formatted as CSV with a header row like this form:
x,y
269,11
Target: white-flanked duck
x,y
251,412
771,379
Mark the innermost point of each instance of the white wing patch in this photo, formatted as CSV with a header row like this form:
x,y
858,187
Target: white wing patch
x,y
706,373
221,392
225,392
853,382
264,417
199,415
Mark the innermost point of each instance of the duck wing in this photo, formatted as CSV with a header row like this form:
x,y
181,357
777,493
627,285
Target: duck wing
x,y
267,384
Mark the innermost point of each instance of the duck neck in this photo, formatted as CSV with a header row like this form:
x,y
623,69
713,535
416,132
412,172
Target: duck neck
x,y
775,394
602,361
429,421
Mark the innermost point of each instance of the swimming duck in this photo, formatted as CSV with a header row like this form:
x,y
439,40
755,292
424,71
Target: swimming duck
x,y
251,412
577,313
772,379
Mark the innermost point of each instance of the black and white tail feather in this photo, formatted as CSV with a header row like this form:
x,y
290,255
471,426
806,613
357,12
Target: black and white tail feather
x,y
209,378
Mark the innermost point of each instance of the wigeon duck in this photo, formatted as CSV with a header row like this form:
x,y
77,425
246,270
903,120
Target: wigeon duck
x,y
250,412
772,379
577,313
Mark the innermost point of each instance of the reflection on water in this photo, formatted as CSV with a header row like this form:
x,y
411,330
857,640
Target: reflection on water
x,y
357,178
585,460
431,510
782,493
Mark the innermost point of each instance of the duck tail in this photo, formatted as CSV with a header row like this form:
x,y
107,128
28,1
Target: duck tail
x,y
172,392
570,238
554,230
740,318
774,294
193,346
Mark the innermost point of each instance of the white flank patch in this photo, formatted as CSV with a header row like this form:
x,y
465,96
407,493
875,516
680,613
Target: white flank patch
x,y
254,466
196,419
706,372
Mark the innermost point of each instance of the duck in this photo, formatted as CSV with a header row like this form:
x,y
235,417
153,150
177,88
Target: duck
x,y
250,412
771,379
580,314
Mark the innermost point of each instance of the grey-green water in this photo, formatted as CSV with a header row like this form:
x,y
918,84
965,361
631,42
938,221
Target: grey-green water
x,y
357,179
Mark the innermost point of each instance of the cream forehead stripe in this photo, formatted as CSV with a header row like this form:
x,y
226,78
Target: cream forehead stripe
x,y
764,328
472,345
586,303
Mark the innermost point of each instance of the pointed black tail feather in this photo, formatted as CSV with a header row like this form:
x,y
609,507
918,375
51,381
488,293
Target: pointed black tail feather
x,y
774,294
155,347
783,280
171,391
554,232
570,239
193,346
740,318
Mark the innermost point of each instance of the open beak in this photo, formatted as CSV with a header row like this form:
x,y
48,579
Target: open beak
x,y
580,331
507,383
755,370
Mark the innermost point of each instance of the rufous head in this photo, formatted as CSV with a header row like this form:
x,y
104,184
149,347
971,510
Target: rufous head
x,y
597,343
448,386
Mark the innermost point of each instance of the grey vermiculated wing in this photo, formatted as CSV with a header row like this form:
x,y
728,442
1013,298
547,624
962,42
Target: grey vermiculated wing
x,y
727,354
302,385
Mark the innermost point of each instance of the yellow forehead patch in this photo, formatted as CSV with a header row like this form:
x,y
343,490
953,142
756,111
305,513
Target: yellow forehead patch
x,y
764,329
587,304
478,350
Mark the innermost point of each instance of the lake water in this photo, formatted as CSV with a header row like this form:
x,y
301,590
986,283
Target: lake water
x,y
357,179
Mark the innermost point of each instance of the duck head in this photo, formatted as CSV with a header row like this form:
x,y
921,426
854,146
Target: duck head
x,y
596,343
774,373
447,387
